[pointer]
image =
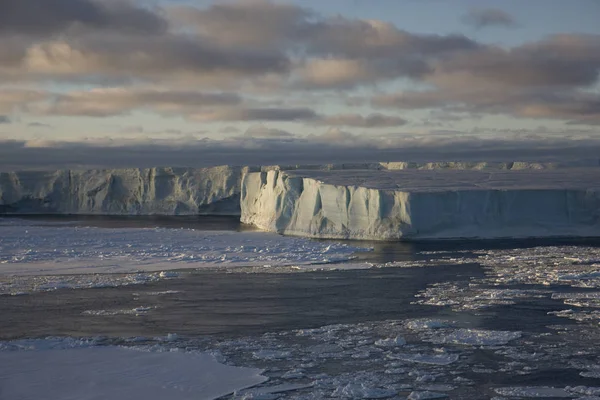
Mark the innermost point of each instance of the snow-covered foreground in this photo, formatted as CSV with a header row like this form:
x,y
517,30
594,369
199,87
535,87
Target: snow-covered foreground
x,y
69,369
34,258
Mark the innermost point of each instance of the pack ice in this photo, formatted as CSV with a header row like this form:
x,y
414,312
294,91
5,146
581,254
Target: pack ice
x,y
377,201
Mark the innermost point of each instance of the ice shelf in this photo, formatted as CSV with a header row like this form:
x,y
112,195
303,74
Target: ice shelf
x,y
379,201
424,204
151,191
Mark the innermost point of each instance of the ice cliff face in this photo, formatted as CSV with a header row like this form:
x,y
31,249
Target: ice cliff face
x,y
165,191
398,205
376,201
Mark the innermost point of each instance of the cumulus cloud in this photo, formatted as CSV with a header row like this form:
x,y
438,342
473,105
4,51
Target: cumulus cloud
x,y
486,17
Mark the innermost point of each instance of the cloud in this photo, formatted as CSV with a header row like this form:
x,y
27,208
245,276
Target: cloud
x,y
487,17
356,120
229,130
335,146
566,60
43,17
4,119
39,125
256,114
262,131
193,61
254,23
113,57
545,79
119,101
583,107
262,39
18,99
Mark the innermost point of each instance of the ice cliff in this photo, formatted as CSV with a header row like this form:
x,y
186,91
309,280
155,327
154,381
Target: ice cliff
x,y
164,191
422,203
378,201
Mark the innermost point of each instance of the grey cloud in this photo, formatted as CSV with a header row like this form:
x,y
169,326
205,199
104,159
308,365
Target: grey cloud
x,y
257,114
39,125
385,51
523,146
117,101
486,17
375,120
17,99
582,107
47,17
141,57
4,119
261,131
229,130
544,79
257,23
560,60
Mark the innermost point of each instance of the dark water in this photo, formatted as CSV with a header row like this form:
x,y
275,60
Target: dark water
x,y
210,302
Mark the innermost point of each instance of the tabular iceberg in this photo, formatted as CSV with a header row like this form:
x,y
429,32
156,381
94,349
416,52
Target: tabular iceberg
x,y
424,204
161,191
377,201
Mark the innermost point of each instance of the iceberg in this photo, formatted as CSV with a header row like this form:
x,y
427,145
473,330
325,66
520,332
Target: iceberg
x,y
150,191
441,202
370,201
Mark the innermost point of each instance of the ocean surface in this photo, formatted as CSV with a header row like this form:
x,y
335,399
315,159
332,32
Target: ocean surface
x,y
447,319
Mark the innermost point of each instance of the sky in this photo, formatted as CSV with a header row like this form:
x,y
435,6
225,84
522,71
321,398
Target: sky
x,y
132,82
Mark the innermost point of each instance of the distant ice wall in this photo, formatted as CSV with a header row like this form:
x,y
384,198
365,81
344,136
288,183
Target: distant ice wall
x,y
162,191
290,204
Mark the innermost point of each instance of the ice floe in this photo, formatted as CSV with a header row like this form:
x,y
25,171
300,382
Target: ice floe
x,y
52,371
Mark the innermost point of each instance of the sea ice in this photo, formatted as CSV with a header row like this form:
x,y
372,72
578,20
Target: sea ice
x,y
42,258
477,337
432,359
116,373
425,395
533,392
